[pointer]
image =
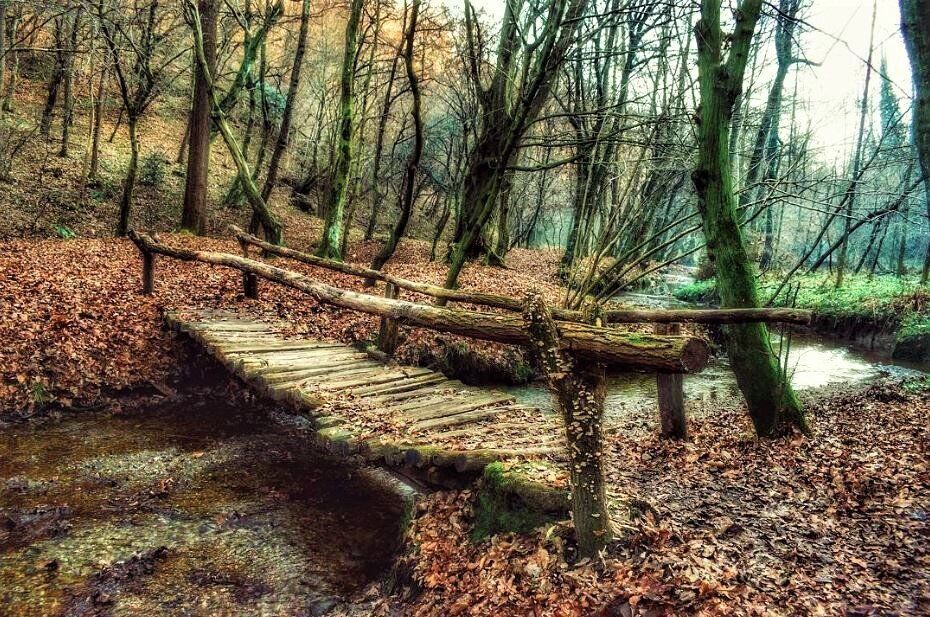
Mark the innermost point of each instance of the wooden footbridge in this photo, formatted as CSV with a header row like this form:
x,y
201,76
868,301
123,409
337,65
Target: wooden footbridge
x,y
398,415
363,404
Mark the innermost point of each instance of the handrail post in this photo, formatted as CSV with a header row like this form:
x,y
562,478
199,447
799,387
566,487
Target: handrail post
x,y
249,280
148,273
387,336
671,394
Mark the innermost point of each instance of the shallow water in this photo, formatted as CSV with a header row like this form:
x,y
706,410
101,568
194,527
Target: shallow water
x,y
203,510
812,364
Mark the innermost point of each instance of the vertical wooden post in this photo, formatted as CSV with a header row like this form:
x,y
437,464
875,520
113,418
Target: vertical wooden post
x,y
148,273
671,396
387,336
249,280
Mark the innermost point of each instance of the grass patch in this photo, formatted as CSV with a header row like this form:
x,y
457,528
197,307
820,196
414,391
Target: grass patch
x,y
885,302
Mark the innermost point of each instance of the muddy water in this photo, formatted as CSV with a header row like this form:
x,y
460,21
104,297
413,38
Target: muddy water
x,y
203,510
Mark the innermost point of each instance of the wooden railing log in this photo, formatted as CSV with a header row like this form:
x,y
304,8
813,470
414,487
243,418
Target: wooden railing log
x,y
669,354
708,316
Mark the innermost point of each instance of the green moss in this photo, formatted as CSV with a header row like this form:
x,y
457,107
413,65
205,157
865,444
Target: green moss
x,y
508,500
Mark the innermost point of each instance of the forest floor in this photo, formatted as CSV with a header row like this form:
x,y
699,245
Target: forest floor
x,y
836,523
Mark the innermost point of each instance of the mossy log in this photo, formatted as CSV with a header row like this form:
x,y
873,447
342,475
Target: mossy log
x,y
674,354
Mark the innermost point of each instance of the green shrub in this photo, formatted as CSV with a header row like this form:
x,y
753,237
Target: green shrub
x,y
153,169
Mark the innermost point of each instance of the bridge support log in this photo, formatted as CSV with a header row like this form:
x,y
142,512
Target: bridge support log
x,y
671,396
578,392
667,354
387,335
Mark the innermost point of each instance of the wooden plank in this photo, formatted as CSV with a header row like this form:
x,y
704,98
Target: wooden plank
x,y
441,384
272,347
404,386
288,374
458,406
386,377
318,379
284,358
461,418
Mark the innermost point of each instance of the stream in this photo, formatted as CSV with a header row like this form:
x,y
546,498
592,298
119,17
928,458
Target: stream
x,y
813,362
200,509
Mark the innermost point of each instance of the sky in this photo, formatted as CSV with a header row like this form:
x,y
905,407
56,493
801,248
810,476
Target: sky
x,y
838,39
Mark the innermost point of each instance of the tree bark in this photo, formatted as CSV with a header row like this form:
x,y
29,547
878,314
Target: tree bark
x,y
772,404
413,161
68,116
578,393
129,184
915,25
194,213
14,67
284,131
335,226
51,98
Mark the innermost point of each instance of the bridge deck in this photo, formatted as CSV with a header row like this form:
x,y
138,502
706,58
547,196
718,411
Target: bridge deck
x,y
393,414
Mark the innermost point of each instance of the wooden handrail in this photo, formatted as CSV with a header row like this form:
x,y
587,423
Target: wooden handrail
x,y
669,354
705,316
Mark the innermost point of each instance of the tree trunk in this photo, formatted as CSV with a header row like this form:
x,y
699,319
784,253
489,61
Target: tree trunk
x,y
14,67
129,184
45,124
772,404
98,123
335,227
413,161
3,38
578,392
503,231
915,25
377,195
194,213
284,131
68,116
842,258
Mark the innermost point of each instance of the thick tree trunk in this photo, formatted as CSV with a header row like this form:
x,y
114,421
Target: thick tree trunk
x,y
772,404
578,393
194,213
335,226
915,25
129,184
503,231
